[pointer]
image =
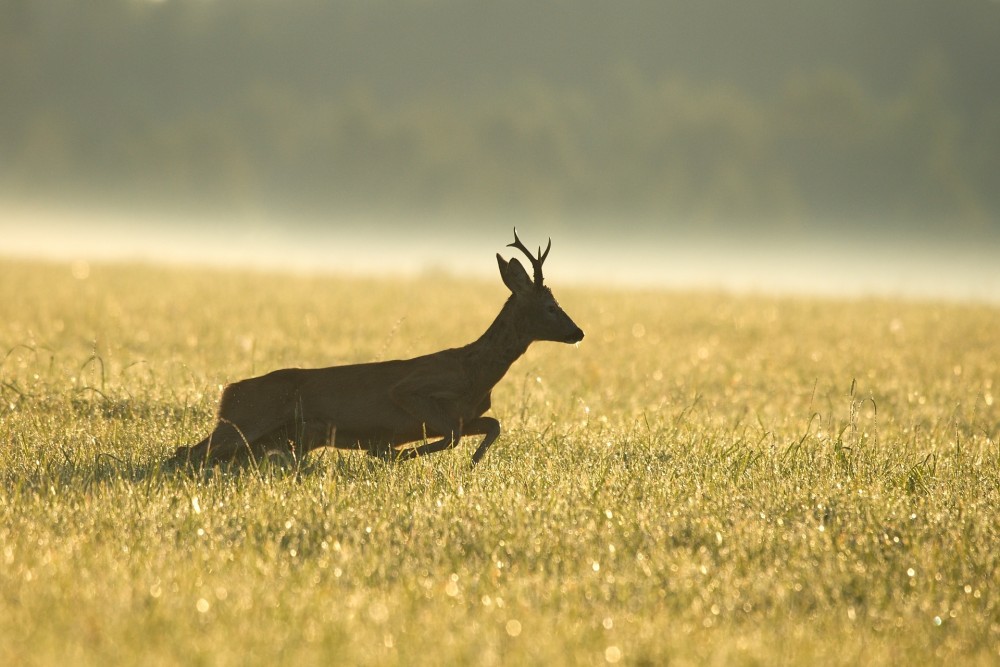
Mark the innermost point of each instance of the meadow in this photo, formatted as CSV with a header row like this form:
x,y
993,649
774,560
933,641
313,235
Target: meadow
x,y
706,479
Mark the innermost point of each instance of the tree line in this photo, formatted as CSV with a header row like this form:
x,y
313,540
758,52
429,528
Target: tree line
x,y
446,108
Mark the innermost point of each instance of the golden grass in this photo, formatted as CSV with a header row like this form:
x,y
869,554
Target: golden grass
x,y
708,479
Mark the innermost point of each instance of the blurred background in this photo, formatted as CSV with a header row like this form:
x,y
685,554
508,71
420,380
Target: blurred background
x,y
848,147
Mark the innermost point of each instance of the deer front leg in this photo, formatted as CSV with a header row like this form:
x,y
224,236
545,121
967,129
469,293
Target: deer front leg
x,y
487,426
491,429
447,442
388,452
429,405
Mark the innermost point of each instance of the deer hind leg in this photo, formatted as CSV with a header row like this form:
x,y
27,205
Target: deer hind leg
x,y
248,410
226,443
296,438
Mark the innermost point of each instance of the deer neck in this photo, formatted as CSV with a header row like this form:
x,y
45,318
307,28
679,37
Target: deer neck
x,y
501,345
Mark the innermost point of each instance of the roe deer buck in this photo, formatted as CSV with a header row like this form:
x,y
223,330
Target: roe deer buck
x,y
383,406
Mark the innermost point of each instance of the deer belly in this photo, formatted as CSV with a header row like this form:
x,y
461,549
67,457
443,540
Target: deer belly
x,y
342,438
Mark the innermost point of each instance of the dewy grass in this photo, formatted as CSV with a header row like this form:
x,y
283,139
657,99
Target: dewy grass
x,y
708,479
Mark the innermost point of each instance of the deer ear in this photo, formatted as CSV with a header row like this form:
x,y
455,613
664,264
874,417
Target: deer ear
x,y
514,276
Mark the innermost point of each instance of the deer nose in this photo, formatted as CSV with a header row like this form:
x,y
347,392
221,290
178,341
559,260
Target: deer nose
x,y
576,336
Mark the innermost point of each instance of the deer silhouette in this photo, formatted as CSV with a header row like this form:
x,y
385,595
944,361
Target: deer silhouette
x,y
385,407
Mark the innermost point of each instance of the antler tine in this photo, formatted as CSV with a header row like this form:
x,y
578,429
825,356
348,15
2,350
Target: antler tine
x,y
543,255
517,244
536,262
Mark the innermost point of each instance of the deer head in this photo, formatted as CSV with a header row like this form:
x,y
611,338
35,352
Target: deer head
x,y
537,314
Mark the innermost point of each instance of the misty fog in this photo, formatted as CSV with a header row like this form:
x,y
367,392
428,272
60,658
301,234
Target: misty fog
x,y
849,147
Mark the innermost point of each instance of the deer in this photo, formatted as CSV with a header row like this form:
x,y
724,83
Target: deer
x,y
395,410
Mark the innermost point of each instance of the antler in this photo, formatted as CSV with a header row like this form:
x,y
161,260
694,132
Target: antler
x,y
536,262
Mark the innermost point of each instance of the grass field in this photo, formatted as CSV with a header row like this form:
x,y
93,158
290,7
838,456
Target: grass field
x,y
706,479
